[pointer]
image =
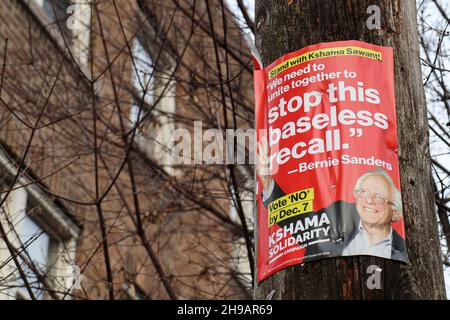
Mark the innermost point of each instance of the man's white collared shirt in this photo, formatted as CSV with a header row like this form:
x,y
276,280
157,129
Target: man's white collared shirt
x,y
360,245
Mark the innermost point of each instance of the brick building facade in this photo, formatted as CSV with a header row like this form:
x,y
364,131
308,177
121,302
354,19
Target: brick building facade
x,y
92,207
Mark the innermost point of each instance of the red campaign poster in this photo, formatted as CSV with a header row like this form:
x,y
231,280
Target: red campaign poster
x,y
327,171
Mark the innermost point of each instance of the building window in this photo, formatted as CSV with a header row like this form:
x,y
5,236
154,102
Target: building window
x,y
142,80
142,97
69,23
56,12
29,239
42,255
36,244
158,85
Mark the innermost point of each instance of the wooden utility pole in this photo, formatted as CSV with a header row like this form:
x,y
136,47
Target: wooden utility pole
x,y
283,26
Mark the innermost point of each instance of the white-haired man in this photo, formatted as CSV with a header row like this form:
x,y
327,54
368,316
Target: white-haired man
x,y
378,204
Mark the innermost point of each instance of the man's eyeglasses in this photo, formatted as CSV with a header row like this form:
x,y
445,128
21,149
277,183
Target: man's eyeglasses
x,y
377,198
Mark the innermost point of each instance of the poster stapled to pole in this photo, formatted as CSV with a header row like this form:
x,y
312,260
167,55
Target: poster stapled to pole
x,y
328,180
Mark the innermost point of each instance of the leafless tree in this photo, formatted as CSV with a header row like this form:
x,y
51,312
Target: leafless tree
x,y
89,108
435,45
